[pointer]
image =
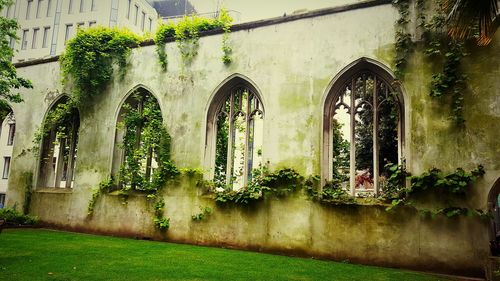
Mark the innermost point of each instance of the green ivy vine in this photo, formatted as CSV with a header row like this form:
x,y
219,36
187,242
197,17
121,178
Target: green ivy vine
x,y
186,34
87,68
450,81
456,183
403,40
145,141
87,62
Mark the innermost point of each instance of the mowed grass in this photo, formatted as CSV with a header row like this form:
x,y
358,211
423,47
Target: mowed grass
x,y
37,254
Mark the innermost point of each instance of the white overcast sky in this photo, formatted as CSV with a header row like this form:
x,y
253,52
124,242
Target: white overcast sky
x,y
251,10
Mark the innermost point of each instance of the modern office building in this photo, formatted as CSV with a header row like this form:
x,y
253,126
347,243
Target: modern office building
x,y
46,25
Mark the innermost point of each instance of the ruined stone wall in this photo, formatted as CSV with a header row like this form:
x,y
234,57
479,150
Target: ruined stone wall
x,y
291,63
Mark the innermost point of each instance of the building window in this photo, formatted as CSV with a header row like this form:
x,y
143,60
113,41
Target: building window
x,y
70,7
2,200
12,43
24,42
235,134
28,9
150,24
82,6
91,23
92,6
128,8
12,132
364,129
49,7
59,149
38,8
139,135
6,167
69,33
136,14
45,39
35,35
7,11
143,19
80,25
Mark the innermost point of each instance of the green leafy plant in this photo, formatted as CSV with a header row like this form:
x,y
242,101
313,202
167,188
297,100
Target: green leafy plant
x,y
11,216
160,221
8,74
204,212
396,182
104,186
403,40
457,182
87,62
186,34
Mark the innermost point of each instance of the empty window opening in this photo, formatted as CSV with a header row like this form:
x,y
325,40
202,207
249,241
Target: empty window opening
x,y
59,146
141,150
238,128
364,133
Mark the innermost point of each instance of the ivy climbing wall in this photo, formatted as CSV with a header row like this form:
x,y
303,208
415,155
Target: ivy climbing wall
x,y
291,63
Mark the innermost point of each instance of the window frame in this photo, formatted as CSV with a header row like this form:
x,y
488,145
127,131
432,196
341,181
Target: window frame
x,y
62,170
333,93
34,37
222,93
45,38
6,167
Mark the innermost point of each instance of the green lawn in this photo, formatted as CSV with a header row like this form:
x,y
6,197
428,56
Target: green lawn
x,y
33,254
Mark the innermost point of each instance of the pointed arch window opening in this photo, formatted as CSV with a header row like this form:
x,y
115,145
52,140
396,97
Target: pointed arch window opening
x,y
239,127
59,151
366,113
136,104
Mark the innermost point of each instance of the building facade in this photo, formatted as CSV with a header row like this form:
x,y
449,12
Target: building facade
x,y
290,80
46,25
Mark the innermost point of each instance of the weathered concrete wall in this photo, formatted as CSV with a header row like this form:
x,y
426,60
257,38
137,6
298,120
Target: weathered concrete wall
x,y
291,64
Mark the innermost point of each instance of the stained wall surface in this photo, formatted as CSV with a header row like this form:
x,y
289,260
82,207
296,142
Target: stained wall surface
x,y
292,64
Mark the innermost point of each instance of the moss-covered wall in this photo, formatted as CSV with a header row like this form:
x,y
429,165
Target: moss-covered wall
x,y
292,65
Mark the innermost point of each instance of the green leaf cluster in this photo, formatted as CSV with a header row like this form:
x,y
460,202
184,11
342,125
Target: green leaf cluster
x,y
87,63
204,212
186,34
434,179
104,186
11,216
8,73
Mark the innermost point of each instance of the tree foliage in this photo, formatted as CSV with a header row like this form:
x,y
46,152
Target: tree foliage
x,y
8,74
472,18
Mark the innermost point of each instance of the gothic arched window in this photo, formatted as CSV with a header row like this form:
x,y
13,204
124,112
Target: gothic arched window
x,y
363,132
59,146
236,132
